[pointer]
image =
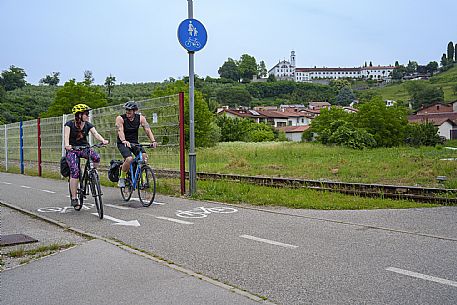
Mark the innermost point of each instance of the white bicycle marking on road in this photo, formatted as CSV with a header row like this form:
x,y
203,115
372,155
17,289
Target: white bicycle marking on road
x,y
271,242
423,276
202,212
62,210
9,183
25,186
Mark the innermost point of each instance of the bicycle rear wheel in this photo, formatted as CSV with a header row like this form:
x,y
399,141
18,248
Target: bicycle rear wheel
x,y
96,191
147,186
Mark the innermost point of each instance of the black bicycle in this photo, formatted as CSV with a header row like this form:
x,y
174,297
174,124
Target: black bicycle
x,y
141,177
89,179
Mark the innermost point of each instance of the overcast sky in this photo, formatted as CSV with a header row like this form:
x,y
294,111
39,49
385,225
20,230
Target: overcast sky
x,y
136,40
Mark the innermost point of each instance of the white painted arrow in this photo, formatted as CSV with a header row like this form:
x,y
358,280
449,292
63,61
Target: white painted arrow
x,y
133,223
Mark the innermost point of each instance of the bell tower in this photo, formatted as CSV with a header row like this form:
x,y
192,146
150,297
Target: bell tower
x,y
292,59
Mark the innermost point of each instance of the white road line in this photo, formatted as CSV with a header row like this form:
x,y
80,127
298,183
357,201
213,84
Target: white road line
x,y
51,192
175,220
155,202
117,207
7,183
26,187
423,276
272,242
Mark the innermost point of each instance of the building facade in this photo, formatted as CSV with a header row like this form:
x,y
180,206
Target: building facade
x,y
286,70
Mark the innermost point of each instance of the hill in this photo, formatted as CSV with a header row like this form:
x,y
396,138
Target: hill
x,y
445,80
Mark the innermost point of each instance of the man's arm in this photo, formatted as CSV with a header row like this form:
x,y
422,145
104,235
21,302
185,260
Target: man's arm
x,y
144,123
120,130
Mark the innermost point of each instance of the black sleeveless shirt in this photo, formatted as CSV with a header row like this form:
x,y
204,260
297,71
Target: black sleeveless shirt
x,y
130,129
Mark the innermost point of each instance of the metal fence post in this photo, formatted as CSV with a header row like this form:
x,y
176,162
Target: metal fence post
x,y
6,149
21,146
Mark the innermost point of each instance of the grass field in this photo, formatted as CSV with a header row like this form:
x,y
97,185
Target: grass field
x,y
398,165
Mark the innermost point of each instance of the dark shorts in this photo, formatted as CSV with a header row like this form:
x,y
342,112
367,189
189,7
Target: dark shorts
x,y
127,152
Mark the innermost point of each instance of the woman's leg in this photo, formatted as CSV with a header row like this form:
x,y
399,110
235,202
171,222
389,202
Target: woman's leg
x,y
72,159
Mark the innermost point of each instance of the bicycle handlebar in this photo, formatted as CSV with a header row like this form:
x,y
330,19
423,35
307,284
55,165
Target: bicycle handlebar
x,y
147,145
98,145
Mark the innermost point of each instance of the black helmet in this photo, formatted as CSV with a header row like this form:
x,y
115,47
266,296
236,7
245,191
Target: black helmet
x,y
131,106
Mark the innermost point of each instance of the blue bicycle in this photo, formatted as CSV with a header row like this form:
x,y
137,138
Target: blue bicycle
x,y
140,177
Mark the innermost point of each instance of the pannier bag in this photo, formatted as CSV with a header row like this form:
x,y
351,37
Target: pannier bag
x,y
64,168
114,169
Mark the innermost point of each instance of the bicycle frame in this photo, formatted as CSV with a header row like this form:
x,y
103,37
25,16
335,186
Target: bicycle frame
x,y
134,175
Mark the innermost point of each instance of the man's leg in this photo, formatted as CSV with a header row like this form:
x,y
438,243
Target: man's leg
x,y
127,155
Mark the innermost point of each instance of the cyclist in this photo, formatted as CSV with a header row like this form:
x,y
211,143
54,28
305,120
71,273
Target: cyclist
x,y
75,134
127,132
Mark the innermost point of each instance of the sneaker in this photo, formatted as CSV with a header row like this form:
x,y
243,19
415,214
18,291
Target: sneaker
x,y
121,182
74,202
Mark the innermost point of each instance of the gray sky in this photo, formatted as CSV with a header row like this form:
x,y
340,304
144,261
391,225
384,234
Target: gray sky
x,y
136,40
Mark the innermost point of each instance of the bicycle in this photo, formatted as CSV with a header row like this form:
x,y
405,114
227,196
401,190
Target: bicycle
x,y
140,176
88,179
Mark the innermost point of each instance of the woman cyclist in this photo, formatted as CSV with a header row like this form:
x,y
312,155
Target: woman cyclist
x,y
75,134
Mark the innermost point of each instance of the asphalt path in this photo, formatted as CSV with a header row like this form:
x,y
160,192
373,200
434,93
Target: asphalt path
x,y
288,256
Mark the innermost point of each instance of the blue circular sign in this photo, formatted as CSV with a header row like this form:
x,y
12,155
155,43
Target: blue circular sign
x,y
192,35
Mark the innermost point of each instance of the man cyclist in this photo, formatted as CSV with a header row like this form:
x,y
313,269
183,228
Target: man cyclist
x,y
127,132
75,134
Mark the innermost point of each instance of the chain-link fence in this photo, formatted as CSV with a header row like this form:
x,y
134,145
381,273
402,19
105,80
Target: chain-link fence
x,y
161,113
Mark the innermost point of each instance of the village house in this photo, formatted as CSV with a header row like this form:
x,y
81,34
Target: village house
x,y
443,116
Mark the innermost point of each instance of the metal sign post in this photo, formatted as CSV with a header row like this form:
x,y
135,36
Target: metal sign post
x,y
192,36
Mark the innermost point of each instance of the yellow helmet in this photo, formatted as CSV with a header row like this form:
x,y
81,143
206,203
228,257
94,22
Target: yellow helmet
x,y
80,108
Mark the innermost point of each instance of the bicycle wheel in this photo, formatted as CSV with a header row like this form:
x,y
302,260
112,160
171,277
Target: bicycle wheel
x,y
126,192
96,191
147,186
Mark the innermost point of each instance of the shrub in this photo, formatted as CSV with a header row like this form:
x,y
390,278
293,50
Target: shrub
x,y
422,135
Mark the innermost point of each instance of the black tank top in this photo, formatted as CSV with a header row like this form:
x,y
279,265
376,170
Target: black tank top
x,y
130,129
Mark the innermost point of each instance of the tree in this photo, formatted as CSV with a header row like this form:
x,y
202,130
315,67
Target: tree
x,y
398,72
338,84
423,94
396,63
234,96
51,80
248,67
371,64
422,135
411,67
109,83
73,93
450,52
262,69
13,78
271,78
230,70
206,132
455,50
386,124
88,78
432,67
444,61
454,88
345,96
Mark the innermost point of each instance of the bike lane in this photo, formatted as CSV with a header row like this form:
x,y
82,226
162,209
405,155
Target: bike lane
x,y
288,259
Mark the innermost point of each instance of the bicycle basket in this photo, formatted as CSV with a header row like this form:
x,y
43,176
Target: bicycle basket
x,y
113,171
64,167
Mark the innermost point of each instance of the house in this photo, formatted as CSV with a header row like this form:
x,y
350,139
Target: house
x,y
294,133
444,116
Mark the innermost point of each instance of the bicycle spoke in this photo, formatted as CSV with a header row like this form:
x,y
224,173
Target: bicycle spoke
x,y
146,186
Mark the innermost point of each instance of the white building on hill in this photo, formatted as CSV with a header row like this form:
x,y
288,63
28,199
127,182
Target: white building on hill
x,y
285,70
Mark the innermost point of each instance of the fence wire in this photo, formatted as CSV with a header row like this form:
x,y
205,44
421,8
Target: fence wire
x,y
161,113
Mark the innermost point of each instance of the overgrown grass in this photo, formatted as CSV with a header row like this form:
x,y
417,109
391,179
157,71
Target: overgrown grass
x,y
398,165
233,192
39,251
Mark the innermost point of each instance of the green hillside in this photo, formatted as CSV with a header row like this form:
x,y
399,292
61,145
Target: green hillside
x,y
445,80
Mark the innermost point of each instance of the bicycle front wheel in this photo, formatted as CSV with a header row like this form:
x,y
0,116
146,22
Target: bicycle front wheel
x,y
80,194
126,192
96,191
147,186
